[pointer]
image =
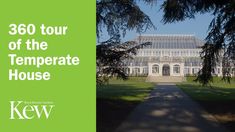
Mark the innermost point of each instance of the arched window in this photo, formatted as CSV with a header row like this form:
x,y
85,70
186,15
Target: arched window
x,y
155,69
176,69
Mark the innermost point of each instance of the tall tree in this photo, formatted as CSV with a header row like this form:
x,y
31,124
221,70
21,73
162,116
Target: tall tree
x,y
116,17
220,41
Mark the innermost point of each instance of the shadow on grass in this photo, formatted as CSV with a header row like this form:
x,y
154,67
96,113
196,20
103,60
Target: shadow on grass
x,y
130,92
116,101
204,93
111,113
218,101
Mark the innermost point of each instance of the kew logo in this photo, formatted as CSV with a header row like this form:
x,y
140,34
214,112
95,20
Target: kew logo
x,y
30,110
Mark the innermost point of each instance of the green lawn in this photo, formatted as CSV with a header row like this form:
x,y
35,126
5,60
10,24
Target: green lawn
x,y
134,89
219,90
117,99
218,100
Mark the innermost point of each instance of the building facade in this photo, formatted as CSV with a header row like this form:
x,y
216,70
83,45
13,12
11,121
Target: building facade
x,y
168,55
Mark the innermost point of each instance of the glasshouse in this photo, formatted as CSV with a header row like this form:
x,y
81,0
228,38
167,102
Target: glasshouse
x,y
168,55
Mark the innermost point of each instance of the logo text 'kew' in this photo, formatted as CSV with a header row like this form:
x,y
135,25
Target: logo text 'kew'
x,y
21,110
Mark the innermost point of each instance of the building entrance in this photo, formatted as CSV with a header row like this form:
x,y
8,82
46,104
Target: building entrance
x,y
166,70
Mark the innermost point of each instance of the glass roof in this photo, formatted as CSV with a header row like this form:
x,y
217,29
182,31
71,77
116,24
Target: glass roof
x,y
170,41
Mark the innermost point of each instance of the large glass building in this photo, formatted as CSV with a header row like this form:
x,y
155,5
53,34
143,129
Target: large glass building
x,y
168,55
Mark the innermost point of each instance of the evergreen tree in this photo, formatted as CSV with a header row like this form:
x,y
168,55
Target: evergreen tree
x,y
220,41
117,17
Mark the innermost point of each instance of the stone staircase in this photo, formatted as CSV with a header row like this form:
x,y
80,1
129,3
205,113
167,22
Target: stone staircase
x,y
165,79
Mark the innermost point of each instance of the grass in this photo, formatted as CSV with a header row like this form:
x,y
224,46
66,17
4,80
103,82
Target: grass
x,y
218,100
134,89
219,90
117,99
